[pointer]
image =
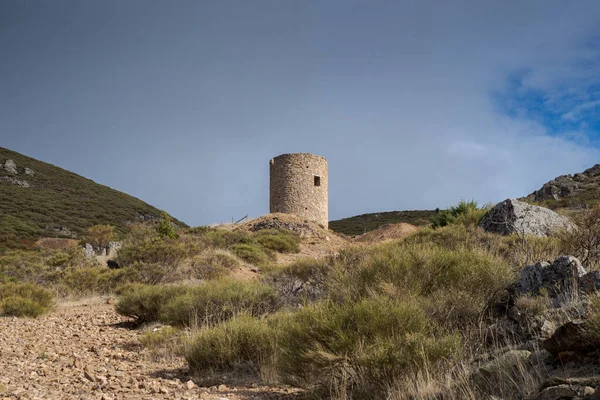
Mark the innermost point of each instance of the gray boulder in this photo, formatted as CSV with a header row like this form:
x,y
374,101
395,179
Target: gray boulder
x,y
562,276
29,171
514,216
89,250
11,166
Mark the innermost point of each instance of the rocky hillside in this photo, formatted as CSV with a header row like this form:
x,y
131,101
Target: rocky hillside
x,y
38,199
570,191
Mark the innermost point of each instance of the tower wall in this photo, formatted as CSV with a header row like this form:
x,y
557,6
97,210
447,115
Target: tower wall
x,y
299,185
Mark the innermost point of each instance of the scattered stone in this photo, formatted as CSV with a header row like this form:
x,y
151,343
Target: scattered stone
x,y
29,171
514,216
190,385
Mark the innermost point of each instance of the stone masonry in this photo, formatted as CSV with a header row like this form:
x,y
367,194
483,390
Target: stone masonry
x,y
299,186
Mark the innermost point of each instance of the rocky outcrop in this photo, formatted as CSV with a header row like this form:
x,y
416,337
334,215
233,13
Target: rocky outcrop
x,y
568,185
29,171
14,181
10,166
514,216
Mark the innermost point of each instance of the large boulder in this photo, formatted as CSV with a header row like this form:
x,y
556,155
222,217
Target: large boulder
x,y
514,216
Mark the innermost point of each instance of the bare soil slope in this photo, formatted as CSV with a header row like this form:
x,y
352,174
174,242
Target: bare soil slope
x,y
388,232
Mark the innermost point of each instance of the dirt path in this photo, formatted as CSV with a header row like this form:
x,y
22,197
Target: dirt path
x,y
83,351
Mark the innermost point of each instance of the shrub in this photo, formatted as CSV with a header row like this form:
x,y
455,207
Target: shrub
x,y
242,343
153,250
25,299
145,303
99,236
202,304
401,270
584,242
359,349
214,264
218,301
278,240
165,227
252,254
465,212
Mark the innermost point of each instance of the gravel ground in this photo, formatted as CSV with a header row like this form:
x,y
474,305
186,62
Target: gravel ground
x,y
86,351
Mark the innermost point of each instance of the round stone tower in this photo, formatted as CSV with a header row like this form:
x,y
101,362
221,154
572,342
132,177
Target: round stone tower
x,y
299,186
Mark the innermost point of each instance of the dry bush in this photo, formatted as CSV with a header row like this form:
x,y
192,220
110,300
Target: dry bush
x,y
99,236
584,242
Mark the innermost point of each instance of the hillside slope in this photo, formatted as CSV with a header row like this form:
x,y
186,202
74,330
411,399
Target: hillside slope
x,y
570,191
361,224
38,199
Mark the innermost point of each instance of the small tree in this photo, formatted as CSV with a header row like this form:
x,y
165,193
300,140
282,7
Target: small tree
x,y
99,236
165,227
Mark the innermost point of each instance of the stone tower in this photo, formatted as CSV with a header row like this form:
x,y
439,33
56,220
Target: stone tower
x,y
299,186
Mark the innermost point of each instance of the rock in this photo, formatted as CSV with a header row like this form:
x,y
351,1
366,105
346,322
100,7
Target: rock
x,y
11,166
88,375
514,216
29,171
190,385
113,248
506,361
569,337
559,277
14,181
590,282
561,392
89,250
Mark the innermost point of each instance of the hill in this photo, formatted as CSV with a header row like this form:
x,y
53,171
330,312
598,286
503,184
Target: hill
x,y
570,191
361,224
38,199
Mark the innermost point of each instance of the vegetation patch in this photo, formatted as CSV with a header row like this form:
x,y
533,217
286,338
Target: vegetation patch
x,y
25,300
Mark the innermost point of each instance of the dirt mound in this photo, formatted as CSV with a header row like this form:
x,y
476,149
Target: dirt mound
x,y
316,242
388,232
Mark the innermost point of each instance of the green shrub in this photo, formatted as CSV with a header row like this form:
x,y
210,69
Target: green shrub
x,y
214,264
21,307
401,270
25,299
145,303
242,343
465,212
279,240
207,303
252,254
165,227
360,349
218,301
154,250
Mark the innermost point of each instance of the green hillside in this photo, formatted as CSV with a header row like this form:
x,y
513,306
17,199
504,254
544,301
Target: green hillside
x,y
41,200
360,224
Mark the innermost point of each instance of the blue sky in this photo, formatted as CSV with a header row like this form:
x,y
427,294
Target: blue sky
x,y
416,104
